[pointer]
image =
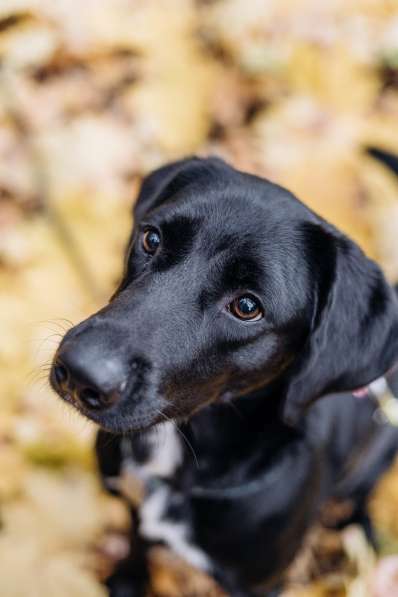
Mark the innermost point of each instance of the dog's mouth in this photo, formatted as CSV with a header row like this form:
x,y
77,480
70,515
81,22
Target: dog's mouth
x,y
111,419
119,412
122,394
114,423
131,413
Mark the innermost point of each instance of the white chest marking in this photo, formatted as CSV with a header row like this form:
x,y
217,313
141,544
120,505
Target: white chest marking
x,y
166,454
175,534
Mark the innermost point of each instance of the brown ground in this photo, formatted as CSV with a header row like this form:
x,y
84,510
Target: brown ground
x,y
93,94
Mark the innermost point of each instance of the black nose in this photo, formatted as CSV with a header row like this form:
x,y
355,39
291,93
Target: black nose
x,y
84,377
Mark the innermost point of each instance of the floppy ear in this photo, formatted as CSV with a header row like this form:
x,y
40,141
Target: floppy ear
x,y
354,336
163,182
154,185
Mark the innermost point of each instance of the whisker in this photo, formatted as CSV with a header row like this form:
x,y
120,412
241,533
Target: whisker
x,y
162,414
60,322
110,439
68,321
36,372
236,410
47,339
42,384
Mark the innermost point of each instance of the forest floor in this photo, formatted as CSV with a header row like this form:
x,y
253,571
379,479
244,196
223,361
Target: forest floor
x,y
94,96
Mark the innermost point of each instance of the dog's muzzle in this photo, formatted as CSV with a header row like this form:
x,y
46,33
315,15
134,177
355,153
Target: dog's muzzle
x,y
91,370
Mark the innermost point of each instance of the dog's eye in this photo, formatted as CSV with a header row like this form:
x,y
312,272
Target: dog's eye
x,y
150,241
246,307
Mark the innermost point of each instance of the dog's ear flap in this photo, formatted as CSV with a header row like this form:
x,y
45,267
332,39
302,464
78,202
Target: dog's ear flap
x,y
163,182
154,185
354,336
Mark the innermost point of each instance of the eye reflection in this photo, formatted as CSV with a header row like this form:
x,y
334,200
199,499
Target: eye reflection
x,y
246,308
150,241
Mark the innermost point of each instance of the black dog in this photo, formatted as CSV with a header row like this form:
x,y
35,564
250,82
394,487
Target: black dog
x,y
239,508
238,306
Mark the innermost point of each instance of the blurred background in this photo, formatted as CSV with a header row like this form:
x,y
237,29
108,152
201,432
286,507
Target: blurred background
x,y
93,95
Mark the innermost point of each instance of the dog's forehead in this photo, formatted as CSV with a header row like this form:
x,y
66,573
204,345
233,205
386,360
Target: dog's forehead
x,y
245,229
219,197
224,215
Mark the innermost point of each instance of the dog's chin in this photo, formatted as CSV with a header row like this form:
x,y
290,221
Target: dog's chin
x,y
128,424
119,420
134,416
116,420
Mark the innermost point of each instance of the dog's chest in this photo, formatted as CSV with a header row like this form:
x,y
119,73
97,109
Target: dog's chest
x,y
163,509
157,453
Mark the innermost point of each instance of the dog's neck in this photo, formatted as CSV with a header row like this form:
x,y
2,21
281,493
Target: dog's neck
x,y
228,439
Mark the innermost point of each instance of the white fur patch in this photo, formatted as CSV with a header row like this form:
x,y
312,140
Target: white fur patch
x,y
166,454
379,386
175,534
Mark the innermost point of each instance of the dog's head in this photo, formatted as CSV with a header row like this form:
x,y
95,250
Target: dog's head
x,y
230,283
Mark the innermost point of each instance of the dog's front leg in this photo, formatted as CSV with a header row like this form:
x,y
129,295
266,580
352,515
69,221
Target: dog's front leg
x,y
142,469
131,576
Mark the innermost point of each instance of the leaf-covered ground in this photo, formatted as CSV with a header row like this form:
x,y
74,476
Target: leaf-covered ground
x,y
93,94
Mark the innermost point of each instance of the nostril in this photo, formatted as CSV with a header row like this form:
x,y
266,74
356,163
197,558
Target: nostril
x,y
91,398
60,373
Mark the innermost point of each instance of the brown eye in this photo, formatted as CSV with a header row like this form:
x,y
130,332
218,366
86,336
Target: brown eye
x,y
246,307
151,241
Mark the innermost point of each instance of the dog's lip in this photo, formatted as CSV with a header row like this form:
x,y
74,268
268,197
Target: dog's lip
x,y
100,417
140,425
117,425
70,398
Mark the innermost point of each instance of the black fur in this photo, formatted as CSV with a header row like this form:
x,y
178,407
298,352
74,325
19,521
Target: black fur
x,y
168,347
